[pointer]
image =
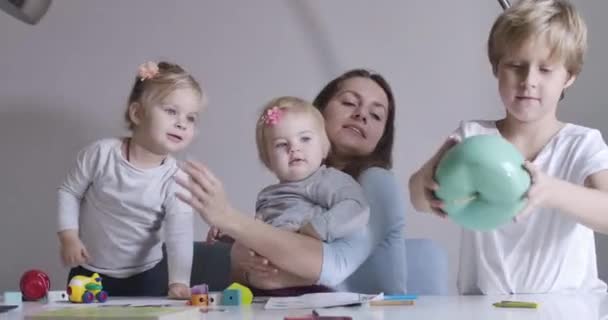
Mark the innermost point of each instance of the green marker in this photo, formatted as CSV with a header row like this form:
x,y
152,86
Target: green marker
x,y
516,304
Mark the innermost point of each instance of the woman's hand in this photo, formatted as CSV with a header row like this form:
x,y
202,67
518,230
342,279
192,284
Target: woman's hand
x,y
254,269
250,262
207,194
266,282
213,235
278,280
259,272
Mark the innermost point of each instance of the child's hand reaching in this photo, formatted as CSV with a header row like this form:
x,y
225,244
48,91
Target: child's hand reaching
x,y
73,251
179,291
426,177
538,194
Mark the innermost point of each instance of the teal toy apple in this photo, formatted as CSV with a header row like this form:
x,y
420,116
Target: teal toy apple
x,y
482,182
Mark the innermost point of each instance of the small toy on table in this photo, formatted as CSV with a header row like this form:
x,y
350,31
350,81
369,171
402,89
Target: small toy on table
x,y
199,295
83,289
237,294
215,298
13,299
231,297
56,296
34,285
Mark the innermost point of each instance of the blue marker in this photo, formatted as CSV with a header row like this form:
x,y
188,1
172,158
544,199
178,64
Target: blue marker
x,y
401,297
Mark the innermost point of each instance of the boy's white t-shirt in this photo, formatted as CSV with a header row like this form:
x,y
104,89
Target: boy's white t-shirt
x,y
548,251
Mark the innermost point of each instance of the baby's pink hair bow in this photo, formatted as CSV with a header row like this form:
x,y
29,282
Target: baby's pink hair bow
x,y
272,116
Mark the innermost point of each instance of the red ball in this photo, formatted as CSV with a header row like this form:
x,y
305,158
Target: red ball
x,y
34,284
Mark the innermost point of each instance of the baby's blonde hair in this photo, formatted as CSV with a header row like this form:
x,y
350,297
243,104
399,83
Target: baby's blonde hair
x,y
558,21
170,77
291,105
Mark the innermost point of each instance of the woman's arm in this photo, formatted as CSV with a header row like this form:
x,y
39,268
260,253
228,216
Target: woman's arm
x,y
248,268
341,258
288,251
302,256
386,268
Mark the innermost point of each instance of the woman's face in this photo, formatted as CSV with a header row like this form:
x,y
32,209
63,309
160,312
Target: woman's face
x,y
355,117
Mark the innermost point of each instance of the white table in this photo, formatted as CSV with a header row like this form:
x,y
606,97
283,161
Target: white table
x,y
554,307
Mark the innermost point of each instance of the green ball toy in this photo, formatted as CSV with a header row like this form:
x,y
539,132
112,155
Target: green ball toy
x,y
482,182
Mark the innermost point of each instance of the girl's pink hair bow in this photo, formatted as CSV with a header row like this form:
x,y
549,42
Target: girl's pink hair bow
x,y
147,70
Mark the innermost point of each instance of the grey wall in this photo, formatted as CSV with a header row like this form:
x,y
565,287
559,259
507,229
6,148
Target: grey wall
x,y
64,82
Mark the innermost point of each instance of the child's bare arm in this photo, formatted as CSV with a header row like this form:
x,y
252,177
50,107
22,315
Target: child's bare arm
x,y
419,185
422,184
587,204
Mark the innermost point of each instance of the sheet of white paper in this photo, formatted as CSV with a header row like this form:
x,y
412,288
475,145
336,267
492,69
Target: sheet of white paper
x,y
318,300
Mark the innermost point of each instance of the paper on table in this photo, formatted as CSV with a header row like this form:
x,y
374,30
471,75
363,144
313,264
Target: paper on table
x,y
118,302
318,300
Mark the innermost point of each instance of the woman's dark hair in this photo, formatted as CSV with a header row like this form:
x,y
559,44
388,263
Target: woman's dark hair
x,y
382,154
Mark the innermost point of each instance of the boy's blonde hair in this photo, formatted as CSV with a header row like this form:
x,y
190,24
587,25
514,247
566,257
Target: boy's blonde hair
x,y
168,78
556,20
291,105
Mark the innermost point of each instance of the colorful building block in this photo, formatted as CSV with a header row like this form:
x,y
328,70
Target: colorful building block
x,y
215,298
13,298
199,300
246,294
200,295
56,296
231,297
